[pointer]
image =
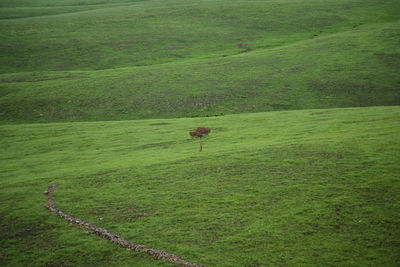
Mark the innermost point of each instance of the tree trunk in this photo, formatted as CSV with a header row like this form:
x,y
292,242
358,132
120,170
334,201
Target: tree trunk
x,y
201,147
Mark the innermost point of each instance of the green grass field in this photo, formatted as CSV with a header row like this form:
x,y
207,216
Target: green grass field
x,y
310,187
168,59
301,167
91,35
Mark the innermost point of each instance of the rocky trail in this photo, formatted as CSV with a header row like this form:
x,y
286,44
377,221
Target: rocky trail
x,y
157,253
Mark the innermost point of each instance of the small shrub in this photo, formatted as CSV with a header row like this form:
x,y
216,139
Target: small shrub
x,y
199,132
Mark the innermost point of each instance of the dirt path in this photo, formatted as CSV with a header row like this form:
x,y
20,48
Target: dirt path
x,y
158,254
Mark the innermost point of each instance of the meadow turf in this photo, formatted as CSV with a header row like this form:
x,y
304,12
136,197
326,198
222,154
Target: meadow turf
x,y
168,59
113,34
98,96
310,187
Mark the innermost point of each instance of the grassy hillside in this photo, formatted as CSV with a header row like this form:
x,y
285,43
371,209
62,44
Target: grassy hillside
x,y
354,68
312,183
281,188
95,60
91,35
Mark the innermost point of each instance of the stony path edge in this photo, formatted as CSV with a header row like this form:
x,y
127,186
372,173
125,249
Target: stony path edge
x,y
157,253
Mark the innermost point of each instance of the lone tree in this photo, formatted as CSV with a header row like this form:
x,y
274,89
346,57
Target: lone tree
x,y
199,133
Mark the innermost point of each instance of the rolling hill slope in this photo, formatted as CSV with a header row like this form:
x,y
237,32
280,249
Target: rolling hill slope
x,y
95,35
281,188
129,60
98,96
353,68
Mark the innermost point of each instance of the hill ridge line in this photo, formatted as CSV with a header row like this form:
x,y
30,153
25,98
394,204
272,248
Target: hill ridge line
x,y
68,13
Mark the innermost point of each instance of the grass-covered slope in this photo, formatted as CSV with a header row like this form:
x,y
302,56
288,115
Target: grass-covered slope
x,y
281,188
94,60
88,35
353,68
